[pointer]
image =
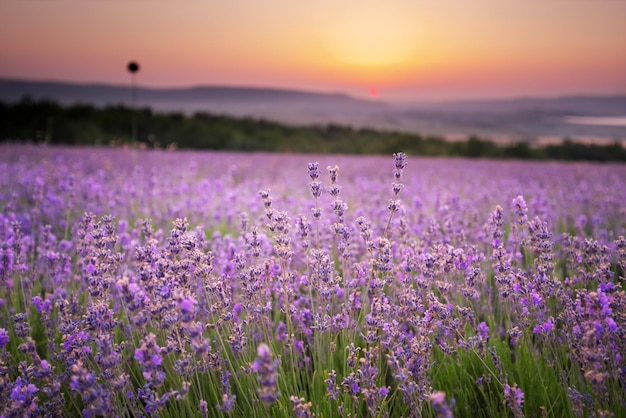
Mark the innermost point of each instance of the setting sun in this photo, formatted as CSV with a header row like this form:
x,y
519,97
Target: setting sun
x,y
372,38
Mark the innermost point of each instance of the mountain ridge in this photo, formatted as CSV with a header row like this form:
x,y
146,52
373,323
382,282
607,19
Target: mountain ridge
x,y
15,89
23,86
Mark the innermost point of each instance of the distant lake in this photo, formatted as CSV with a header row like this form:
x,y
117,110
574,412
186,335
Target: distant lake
x,y
596,120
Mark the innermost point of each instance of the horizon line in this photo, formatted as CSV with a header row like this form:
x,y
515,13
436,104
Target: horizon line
x,y
322,91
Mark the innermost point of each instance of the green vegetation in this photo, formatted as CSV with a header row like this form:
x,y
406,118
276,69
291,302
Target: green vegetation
x,y
82,124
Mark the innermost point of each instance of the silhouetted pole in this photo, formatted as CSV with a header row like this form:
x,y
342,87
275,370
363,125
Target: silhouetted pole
x,y
133,67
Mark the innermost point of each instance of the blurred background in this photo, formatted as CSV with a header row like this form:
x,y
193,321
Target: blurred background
x,y
504,71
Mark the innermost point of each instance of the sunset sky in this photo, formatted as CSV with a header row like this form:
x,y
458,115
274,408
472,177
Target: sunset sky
x,y
398,49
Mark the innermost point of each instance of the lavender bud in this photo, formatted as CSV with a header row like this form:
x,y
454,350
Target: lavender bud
x,y
400,160
314,171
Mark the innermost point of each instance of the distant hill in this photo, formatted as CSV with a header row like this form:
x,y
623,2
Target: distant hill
x,y
13,90
527,119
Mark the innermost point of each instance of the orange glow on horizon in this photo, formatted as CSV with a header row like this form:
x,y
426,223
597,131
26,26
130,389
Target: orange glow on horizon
x,y
408,49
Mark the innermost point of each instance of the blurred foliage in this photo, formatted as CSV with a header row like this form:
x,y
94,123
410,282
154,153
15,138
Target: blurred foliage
x,y
83,124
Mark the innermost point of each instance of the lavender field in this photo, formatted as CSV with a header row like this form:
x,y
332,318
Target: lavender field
x,y
183,284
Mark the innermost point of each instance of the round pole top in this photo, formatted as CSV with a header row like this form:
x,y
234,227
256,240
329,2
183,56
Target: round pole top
x,y
133,67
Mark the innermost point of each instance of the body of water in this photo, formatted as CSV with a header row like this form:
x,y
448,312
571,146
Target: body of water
x,y
597,120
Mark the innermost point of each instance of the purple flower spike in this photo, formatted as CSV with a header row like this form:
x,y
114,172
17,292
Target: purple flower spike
x,y
441,407
267,375
611,325
483,330
4,337
514,399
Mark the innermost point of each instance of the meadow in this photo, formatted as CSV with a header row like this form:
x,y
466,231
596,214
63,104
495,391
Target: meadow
x,y
138,283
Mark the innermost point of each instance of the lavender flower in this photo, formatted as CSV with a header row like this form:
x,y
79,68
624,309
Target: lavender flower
x,y
331,385
301,408
441,407
400,161
266,369
514,399
203,406
4,338
314,171
520,208
187,307
228,403
483,330
24,401
149,357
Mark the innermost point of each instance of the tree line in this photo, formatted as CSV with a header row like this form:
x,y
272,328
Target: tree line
x,y
83,124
